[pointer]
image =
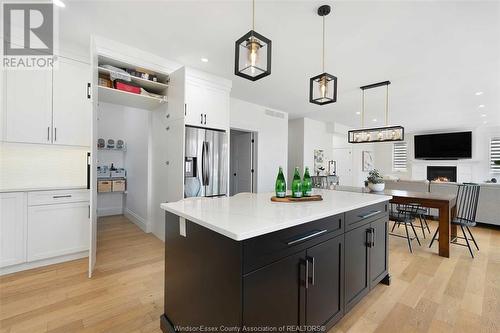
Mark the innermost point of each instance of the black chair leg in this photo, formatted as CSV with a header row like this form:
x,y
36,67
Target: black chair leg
x,y
427,225
467,241
473,239
408,237
393,226
421,225
415,232
434,237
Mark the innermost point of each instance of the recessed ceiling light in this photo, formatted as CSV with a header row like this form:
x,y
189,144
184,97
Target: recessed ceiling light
x,y
59,3
479,93
358,113
485,122
483,115
204,59
481,106
374,119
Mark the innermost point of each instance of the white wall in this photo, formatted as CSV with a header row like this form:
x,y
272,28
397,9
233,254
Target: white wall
x,y
479,164
25,166
272,138
339,141
295,146
306,135
132,126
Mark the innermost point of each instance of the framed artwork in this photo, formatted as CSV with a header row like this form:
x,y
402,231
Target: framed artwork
x,y
319,162
367,160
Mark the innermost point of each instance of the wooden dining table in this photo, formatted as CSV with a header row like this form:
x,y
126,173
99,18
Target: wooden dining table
x,y
445,203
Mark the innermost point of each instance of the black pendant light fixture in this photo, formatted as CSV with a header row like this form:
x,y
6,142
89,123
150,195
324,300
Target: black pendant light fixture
x,y
252,58
323,87
378,134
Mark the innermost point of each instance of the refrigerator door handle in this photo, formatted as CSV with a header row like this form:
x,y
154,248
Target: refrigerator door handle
x,y
207,181
203,157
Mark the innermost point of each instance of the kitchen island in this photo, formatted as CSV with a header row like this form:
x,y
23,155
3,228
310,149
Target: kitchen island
x,y
244,263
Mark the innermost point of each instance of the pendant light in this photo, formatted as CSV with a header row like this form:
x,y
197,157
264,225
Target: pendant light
x,y
252,59
379,134
323,87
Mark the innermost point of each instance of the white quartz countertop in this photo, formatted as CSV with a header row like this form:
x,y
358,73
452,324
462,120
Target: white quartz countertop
x,y
46,188
248,215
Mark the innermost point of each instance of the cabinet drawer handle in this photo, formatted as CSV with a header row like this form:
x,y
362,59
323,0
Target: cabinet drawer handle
x,y
373,237
303,238
369,237
205,116
372,213
61,196
48,133
201,120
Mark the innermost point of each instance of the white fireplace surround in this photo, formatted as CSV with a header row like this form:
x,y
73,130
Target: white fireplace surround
x,y
464,169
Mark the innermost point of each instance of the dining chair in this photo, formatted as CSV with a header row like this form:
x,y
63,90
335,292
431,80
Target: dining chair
x,y
404,214
466,208
419,214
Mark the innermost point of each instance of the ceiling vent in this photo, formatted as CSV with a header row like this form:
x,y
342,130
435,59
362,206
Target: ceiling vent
x,y
275,114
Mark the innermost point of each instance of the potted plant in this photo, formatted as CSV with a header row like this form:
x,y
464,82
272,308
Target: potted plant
x,y
375,181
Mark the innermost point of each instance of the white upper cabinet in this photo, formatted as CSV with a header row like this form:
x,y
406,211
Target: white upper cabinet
x,y
12,228
48,106
206,106
71,103
28,106
195,109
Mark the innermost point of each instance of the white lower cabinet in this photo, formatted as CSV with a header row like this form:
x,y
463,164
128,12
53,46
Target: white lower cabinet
x,y
12,228
42,227
56,230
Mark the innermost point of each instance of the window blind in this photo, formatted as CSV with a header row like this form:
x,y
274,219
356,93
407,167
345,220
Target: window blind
x,y
399,156
494,155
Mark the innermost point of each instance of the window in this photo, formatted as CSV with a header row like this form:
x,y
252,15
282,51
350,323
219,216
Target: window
x,y
494,155
399,153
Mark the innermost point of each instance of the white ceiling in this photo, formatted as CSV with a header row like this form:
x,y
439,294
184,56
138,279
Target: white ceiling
x,y
437,54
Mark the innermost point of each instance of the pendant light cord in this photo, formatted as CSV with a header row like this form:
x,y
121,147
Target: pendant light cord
x,y
386,105
323,59
363,110
253,15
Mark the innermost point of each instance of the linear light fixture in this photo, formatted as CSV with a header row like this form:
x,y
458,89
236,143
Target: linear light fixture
x,y
377,134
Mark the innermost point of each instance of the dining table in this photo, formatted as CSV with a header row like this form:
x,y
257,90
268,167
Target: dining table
x,y
445,203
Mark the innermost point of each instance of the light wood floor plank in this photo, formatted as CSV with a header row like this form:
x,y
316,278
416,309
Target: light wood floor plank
x,y
427,294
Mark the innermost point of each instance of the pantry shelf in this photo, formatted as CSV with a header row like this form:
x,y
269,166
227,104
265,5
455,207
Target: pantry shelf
x,y
115,96
150,86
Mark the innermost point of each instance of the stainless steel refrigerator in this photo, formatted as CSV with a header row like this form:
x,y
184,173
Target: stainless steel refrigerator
x,y
205,165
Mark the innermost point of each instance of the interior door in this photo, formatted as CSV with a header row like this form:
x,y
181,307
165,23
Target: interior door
x,y
325,291
241,162
28,106
72,106
93,158
343,156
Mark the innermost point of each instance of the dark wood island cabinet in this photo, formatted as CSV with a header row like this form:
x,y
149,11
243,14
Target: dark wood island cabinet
x,y
308,275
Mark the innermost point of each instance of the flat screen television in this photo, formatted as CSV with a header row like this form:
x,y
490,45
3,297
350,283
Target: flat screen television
x,y
443,146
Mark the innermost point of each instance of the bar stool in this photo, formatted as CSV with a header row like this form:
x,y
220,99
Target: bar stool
x,y
467,199
404,214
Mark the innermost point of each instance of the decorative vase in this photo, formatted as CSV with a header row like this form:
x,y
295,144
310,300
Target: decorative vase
x,y
376,187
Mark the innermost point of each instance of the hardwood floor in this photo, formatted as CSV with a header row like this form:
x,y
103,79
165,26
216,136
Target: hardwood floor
x,y
428,293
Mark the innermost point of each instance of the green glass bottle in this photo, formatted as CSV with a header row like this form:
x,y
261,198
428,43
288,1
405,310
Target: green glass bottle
x,y
280,186
307,183
296,184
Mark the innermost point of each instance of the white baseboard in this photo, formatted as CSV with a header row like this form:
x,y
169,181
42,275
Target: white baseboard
x,y
107,211
136,219
43,262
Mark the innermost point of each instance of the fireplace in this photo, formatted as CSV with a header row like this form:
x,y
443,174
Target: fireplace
x,y
442,173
